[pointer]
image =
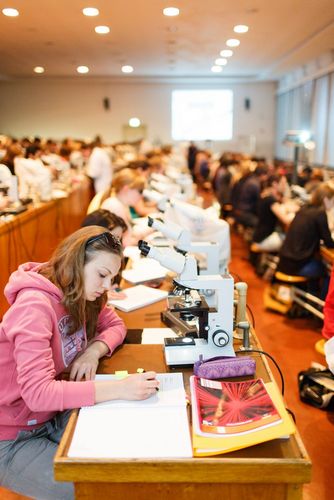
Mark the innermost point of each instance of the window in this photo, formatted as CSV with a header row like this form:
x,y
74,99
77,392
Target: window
x,y
202,115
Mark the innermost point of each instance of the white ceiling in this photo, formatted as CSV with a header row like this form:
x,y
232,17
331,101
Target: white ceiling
x,y
283,34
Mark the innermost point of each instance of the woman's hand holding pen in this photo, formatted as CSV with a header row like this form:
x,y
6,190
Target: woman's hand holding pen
x,y
139,386
133,387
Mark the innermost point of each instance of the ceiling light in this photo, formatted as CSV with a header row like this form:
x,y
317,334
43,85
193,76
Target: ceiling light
x,y
171,11
216,69
82,69
39,69
134,122
226,53
102,30
221,61
10,12
127,69
240,28
232,42
90,11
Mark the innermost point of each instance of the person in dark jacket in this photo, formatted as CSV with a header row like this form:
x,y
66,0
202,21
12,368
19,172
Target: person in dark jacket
x,y
299,254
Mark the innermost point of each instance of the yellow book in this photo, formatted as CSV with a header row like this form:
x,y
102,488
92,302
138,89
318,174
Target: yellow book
x,y
206,444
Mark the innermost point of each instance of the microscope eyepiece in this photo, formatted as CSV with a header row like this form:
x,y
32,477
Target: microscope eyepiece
x,y
149,222
144,247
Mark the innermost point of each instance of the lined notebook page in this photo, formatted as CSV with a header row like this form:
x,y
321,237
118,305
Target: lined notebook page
x,y
153,428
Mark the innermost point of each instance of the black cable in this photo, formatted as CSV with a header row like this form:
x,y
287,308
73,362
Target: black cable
x,y
279,371
292,414
273,360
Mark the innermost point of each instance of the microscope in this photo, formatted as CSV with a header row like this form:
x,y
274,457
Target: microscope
x,y
202,329
182,238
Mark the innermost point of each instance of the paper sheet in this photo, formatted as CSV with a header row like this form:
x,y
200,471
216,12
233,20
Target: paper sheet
x,y
156,335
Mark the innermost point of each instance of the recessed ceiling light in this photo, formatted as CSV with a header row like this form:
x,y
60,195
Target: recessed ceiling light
x,y
226,53
232,42
216,69
221,61
240,28
134,122
10,12
90,11
102,30
171,11
82,69
39,69
127,69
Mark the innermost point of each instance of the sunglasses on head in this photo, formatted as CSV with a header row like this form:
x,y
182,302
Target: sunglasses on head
x,y
110,239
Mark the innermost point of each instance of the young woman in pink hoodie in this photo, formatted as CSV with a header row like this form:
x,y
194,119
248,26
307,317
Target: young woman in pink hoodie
x,y
57,321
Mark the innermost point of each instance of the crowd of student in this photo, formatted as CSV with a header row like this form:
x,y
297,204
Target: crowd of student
x,y
276,216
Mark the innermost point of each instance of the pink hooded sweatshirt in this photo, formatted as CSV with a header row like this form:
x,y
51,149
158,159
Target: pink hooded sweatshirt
x,y
35,349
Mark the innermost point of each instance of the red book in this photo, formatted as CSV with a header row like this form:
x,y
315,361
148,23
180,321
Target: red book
x,y
233,407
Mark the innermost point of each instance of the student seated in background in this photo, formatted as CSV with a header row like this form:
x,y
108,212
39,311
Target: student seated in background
x,y
118,228
57,321
143,207
126,191
105,218
271,213
246,195
299,254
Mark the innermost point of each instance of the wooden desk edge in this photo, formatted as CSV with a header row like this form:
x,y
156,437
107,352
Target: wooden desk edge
x,y
195,470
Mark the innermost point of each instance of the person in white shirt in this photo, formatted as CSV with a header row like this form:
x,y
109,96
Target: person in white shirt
x,y
35,179
100,167
126,191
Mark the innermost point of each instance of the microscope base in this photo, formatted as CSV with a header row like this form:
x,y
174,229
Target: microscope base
x,y
182,355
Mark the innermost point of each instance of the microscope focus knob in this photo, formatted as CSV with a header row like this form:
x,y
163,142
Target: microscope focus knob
x,y
220,338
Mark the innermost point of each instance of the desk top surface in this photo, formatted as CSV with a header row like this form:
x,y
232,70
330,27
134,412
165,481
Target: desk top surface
x,y
285,459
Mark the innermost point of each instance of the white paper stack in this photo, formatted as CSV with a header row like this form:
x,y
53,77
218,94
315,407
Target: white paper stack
x,y
138,296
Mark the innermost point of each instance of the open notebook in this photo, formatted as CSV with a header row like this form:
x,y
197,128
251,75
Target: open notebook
x,y
138,296
153,428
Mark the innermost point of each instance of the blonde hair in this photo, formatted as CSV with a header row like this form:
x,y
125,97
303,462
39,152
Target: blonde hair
x,y
125,177
65,269
324,190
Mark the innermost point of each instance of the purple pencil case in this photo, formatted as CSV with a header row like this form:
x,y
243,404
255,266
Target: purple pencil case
x,y
224,367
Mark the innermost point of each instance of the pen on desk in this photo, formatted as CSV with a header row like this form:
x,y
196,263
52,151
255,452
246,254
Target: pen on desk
x,y
142,370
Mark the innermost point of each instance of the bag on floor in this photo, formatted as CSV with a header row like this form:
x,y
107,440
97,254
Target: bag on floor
x,y
316,388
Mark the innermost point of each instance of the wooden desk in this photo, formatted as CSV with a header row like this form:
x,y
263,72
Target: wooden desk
x,y
275,470
33,235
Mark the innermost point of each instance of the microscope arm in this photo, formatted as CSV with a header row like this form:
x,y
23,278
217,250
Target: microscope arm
x,y
172,231
184,266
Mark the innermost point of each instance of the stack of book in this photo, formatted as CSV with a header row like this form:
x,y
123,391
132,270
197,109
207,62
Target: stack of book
x,y
228,416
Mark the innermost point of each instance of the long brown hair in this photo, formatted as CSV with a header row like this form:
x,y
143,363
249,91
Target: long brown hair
x,y
65,269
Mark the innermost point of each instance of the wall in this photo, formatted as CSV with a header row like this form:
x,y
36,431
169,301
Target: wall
x,y
74,108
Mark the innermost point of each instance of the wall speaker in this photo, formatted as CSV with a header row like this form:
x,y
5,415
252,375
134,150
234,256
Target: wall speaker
x,y
106,103
247,103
